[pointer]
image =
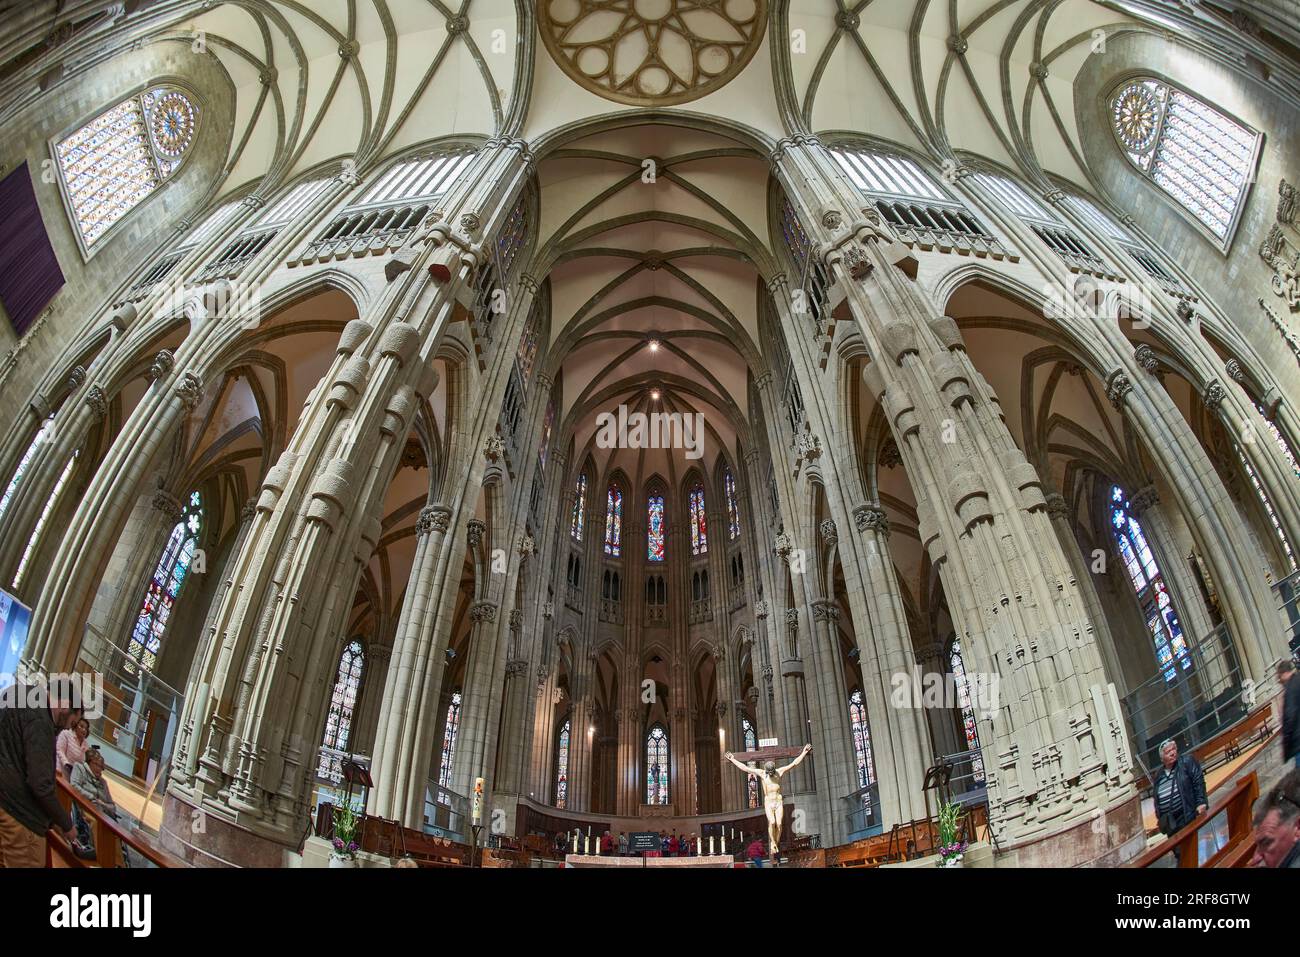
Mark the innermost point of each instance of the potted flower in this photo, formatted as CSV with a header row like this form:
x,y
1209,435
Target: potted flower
x,y
345,849
952,849
756,852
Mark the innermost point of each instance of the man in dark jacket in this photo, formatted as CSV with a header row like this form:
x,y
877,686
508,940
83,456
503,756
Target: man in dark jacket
x,y
1286,673
1179,789
30,719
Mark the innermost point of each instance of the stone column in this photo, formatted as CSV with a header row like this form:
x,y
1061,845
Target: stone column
x,y
1057,752
413,679
900,744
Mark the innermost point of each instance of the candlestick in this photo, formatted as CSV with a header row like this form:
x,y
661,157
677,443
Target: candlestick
x,y
575,843
586,844
710,845
724,843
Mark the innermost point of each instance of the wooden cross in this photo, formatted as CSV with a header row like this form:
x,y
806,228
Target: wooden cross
x,y
769,754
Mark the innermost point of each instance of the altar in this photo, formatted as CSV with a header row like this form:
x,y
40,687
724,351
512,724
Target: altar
x,y
600,860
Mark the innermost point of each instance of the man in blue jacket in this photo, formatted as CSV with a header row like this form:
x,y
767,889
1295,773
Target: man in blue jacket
x,y
1179,789
31,716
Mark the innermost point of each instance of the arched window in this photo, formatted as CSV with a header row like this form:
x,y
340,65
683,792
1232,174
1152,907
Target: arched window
x,y
1149,584
733,510
614,521
579,508
861,739
23,464
449,732
44,517
968,725
343,702
1273,430
1203,159
750,737
562,765
656,765
165,587
119,158
699,524
655,528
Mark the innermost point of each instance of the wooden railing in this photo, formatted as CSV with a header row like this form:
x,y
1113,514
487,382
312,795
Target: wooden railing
x,y
109,837
386,838
1236,802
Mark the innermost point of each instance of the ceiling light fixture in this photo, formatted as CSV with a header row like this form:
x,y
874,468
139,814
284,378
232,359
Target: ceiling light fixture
x,y
654,394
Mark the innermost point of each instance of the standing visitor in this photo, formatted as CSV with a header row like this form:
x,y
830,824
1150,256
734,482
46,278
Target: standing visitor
x,y
1179,789
1286,673
30,719
622,843
71,746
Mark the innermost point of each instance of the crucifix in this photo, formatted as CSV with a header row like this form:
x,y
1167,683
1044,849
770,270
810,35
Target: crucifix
x,y
769,775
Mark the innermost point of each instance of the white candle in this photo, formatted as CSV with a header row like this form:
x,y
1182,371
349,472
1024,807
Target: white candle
x,y
575,843
586,844
724,843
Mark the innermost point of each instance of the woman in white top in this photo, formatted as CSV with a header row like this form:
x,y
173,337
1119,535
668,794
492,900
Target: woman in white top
x,y
71,746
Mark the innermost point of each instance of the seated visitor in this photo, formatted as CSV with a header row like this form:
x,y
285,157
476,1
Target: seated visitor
x,y
71,747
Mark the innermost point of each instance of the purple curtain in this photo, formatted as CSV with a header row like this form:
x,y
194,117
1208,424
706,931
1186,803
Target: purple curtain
x,y
29,271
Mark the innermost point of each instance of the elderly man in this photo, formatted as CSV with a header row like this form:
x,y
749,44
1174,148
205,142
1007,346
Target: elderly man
x,y
1277,825
1179,789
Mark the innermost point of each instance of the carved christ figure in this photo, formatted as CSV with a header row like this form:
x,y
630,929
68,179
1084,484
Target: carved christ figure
x,y
769,775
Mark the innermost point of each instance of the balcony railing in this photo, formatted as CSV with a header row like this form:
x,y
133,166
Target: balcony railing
x,y
864,810
944,228
367,232
1196,705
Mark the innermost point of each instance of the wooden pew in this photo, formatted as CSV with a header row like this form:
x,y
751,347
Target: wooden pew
x,y
109,837
1237,801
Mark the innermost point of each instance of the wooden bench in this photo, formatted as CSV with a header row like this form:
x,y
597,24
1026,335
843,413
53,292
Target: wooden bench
x,y
109,837
1237,801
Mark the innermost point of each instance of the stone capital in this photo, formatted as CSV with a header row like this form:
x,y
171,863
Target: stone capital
x,y
1118,386
189,389
169,505
871,518
433,518
97,402
483,611
830,535
476,528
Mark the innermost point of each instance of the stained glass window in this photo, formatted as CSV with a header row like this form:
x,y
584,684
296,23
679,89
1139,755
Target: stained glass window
x,y
562,765
1201,158
614,521
1149,585
449,732
165,587
579,508
23,463
750,737
699,530
861,739
44,517
656,765
733,509
971,730
121,156
1268,509
343,702
655,528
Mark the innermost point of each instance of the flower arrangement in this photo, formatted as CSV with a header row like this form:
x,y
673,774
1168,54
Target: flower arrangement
x,y
951,847
346,822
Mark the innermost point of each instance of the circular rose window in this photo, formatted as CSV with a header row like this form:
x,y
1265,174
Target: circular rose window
x,y
652,52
